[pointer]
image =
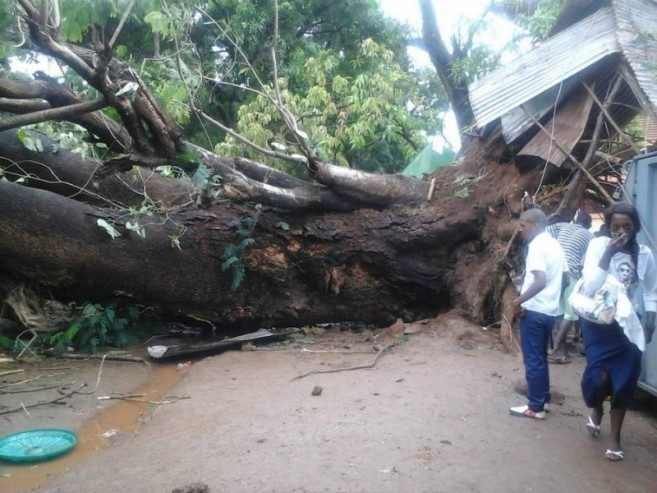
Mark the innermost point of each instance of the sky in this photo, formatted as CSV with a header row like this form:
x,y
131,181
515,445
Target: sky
x,y
449,13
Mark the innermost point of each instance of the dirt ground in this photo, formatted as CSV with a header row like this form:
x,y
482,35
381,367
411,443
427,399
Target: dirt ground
x,y
430,415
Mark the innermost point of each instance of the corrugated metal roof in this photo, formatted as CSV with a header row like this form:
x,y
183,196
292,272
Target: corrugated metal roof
x,y
516,122
556,59
636,21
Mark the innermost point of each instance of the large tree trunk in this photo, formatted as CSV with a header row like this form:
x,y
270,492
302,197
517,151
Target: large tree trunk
x,y
369,265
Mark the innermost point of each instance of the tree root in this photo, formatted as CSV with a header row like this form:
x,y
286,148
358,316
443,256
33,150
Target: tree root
x,y
359,367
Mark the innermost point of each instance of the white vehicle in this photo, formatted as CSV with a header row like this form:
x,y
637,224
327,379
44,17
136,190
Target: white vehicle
x,y
640,189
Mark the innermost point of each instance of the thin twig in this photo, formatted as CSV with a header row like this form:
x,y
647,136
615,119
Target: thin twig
x,y
10,372
336,351
43,403
121,23
119,396
23,391
19,382
26,411
128,398
359,367
100,372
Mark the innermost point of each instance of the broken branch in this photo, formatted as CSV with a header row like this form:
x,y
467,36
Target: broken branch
x,y
350,368
102,356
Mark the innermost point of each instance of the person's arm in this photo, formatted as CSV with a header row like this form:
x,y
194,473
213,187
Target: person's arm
x,y
565,279
532,290
649,326
595,268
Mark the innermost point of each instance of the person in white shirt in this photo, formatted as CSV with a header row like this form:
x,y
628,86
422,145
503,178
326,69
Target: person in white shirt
x,y
537,306
613,351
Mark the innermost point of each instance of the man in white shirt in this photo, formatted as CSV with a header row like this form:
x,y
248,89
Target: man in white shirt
x,y
537,306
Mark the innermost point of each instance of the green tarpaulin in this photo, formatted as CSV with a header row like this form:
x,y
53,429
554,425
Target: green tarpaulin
x,y
428,161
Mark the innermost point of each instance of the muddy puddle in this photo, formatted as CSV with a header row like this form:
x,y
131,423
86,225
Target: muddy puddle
x,y
121,419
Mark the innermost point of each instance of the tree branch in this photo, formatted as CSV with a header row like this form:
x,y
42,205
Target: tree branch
x,y
244,140
62,113
110,45
443,61
107,130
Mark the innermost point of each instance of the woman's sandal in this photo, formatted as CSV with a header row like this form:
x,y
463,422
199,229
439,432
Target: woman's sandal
x,y
593,429
614,455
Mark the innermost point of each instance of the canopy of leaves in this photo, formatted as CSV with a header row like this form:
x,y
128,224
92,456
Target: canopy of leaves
x,y
341,68
536,16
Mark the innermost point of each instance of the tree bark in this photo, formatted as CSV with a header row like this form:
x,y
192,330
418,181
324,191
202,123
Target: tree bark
x,y
320,268
301,267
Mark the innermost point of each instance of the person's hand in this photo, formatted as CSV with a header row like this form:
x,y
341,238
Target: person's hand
x,y
617,243
518,310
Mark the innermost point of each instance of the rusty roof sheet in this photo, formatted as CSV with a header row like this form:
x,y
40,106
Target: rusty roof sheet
x,y
636,21
557,58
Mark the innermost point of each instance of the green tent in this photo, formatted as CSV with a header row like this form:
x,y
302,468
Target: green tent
x,y
428,161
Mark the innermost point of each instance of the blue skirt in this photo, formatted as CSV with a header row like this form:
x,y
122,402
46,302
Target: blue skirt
x,y
609,350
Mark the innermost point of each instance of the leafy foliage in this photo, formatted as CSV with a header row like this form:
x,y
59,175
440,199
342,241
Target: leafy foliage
x,y
6,342
536,17
232,255
352,120
342,68
30,142
98,325
343,72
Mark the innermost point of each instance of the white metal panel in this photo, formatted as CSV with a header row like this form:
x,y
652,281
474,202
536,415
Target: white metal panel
x,y
556,59
640,189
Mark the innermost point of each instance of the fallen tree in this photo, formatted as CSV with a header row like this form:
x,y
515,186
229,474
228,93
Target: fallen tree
x,y
297,266
251,245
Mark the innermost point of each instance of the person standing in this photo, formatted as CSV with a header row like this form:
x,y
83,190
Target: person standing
x,y
574,239
537,306
613,351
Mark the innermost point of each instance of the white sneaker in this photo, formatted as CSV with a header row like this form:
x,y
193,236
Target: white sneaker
x,y
525,412
546,407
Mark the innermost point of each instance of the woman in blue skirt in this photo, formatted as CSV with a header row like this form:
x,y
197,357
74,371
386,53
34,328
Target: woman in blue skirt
x,y
613,360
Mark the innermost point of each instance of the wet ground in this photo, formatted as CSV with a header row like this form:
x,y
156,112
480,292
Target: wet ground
x,y
428,415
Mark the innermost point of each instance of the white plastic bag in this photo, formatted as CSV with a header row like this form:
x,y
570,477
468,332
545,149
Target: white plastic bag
x,y
601,307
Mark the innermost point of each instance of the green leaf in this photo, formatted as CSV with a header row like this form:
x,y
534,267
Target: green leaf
x,y
228,262
111,230
6,342
29,141
174,240
201,177
159,22
136,227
